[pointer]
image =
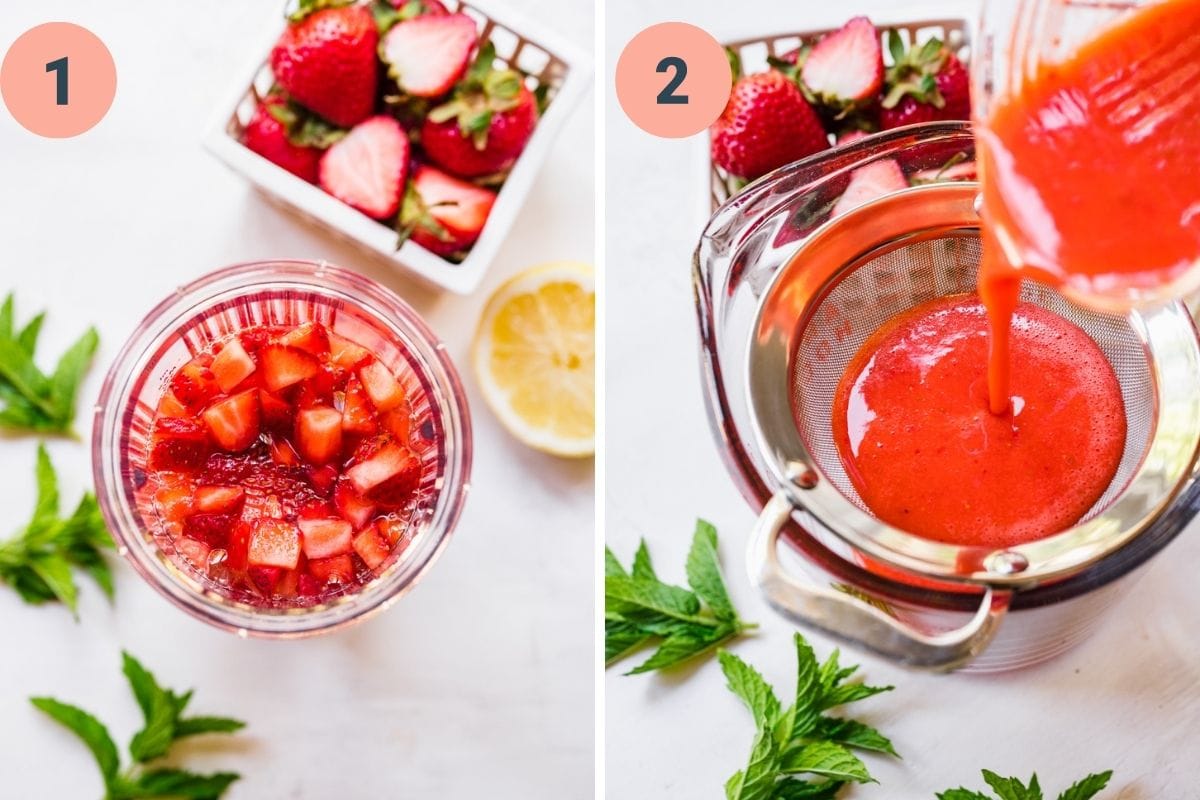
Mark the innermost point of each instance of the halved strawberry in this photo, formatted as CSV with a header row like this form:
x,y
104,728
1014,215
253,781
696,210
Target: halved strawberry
x,y
866,183
324,538
194,384
234,421
276,413
214,499
428,54
353,508
357,414
368,168
319,434
212,529
285,366
381,386
274,543
845,69
179,443
386,474
371,547
442,213
232,365
339,569
311,337
344,353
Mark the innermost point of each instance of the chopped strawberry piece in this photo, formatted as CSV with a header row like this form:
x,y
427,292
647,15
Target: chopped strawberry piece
x,y
215,499
194,384
392,530
254,340
427,55
371,547
174,501
283,453
345,353
869,182
289,583
357,414
388,476
232,365
285,366
239,544
311,337
323,538
234,421
196,552
265,578
381,386
212,529
178,443
274,543
276,413
368,169
170,406
319,434
356,510
339,569
322,478
317,390
398,422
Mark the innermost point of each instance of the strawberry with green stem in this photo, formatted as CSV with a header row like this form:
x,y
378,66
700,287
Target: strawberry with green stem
x,y
926,82
843,72
325,60
426,55
289,136
486,124
442,213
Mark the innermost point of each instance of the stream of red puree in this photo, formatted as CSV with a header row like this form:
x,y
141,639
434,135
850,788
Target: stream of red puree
x,y
998,423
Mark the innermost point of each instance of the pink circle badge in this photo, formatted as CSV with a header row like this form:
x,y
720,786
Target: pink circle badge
x,y
673,80
58,80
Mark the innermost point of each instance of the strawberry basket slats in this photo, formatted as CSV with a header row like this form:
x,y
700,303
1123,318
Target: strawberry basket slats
x,y
754,54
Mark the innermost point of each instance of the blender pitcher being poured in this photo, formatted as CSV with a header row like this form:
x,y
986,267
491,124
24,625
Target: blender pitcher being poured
x,y
962,463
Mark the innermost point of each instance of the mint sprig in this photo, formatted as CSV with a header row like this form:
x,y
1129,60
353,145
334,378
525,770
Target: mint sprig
x,y
165,724
801,740
37,562
29,399
640,609
1014,789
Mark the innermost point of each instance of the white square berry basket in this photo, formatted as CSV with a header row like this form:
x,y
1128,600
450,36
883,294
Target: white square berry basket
x,y
719,185
522,44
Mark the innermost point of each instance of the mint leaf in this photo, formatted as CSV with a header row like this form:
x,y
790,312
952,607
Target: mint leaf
x,y
29,399
746,682
704,572
37,562
175,783
193,726
1014,789
87,728
804,741
757,780
639,608
1087,788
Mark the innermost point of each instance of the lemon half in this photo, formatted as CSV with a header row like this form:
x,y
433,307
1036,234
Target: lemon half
x,y
535,357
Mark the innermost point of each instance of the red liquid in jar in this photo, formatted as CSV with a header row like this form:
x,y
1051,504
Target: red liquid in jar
x,y
283,465
912,425
1090,171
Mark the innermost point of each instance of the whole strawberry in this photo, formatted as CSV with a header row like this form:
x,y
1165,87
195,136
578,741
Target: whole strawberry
x,y
485,125
268,135
925,83
766,123
326,60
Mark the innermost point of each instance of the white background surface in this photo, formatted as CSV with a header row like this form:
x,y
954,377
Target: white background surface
x,y
479,683
1126,700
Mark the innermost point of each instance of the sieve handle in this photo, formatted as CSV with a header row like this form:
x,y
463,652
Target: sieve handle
x,y
855,622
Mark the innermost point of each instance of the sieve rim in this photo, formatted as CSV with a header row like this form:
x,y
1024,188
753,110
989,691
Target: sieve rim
x,y
1167,332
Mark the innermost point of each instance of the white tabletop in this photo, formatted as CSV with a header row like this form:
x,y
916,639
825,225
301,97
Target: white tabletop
x,y
1126,699
479,683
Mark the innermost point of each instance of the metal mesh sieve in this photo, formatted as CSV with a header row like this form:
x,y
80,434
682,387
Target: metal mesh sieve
x,y
894,280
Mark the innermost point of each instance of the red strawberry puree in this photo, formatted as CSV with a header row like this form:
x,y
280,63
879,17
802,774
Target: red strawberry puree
x,y
284,464
912,425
